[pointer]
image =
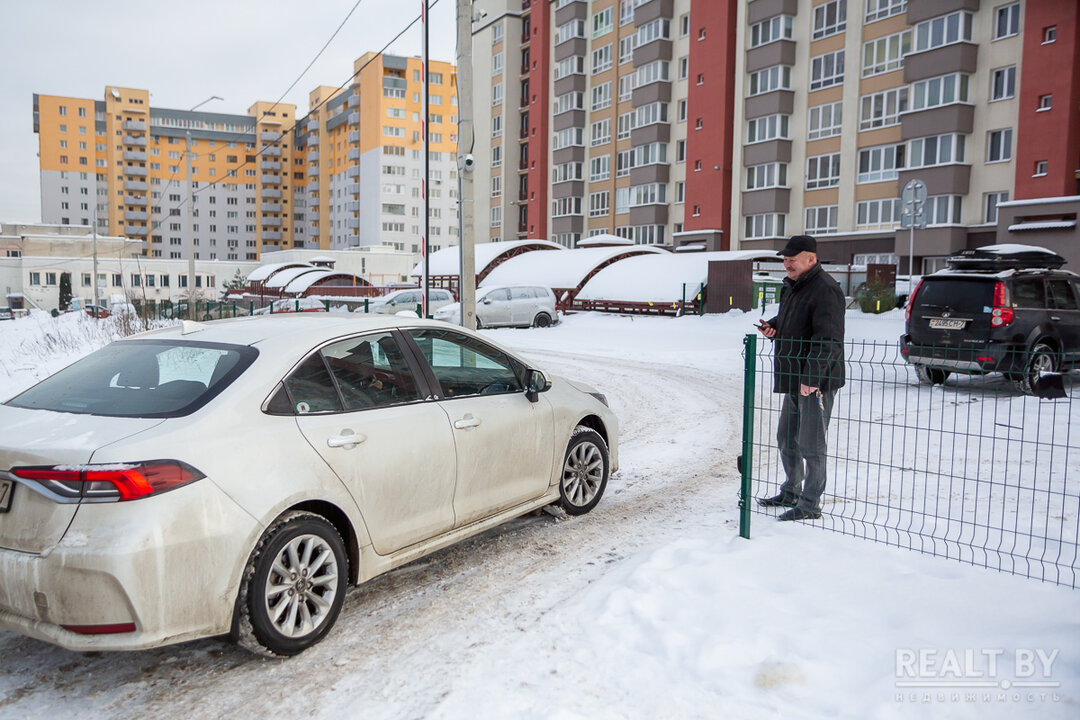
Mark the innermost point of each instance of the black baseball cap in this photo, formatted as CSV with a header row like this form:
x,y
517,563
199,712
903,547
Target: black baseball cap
x,y
797,244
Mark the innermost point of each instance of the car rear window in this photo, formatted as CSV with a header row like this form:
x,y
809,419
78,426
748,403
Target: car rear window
x,y
973,295
141,378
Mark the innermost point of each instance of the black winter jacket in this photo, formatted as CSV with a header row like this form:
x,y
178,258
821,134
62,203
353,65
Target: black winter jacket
x,y
809,336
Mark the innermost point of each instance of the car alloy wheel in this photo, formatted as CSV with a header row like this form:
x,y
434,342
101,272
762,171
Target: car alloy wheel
x,y
585,472
294,585
1040,360
542,320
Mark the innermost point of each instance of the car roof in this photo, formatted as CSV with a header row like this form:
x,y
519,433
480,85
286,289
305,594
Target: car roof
x,y
1002,275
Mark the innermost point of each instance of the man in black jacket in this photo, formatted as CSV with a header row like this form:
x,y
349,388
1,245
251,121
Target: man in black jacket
x,y
808,364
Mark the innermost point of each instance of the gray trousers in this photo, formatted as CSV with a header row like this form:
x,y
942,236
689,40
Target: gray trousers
x,y
800,434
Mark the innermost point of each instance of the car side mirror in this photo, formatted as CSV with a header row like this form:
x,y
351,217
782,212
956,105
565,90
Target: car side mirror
x,y
486,301
536,382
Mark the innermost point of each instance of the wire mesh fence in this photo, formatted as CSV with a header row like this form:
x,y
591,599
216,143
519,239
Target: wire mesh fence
x,y
971,469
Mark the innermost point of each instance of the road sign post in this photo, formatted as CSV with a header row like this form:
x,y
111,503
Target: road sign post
x,y
913,216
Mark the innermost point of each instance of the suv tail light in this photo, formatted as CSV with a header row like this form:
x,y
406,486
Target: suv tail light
x,y
911,301
1001,315
110,483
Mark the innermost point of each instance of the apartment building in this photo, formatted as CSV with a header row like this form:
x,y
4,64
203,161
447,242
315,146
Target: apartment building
x,y
842,102
350,173
609,116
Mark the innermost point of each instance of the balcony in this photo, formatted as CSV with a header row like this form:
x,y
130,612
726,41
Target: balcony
x,y
136,215
271,235
353,206
354,118
312,125
136,230
270,207
313,186
271,151
353,188
135,125
313,156
270,165
352,223
135,185
271,193
354,136
353,154
134,200
270,179
269,136
352,172
136,141
312,140
354,101
139,155
271,221
135,170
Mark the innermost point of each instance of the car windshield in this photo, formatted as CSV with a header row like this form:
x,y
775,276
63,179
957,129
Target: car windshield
x,y
141,378
957,294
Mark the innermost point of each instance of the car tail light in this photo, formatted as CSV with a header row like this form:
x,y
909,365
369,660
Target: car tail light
x,y
1001,315
911,301
110,483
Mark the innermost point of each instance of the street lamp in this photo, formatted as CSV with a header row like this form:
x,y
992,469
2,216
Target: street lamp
x,y
191,213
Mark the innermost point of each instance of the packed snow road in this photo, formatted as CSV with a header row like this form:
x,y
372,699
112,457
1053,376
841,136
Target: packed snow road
x,y
405,641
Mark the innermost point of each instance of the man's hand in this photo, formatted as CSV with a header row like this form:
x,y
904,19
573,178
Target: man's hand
x,y
805,390
766,329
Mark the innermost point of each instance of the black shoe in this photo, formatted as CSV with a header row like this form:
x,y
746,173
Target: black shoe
x,y
799,513
781,500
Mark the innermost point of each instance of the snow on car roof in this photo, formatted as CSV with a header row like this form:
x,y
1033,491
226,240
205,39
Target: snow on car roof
x,y
1013,248
448,260
284,277
560,270
659,278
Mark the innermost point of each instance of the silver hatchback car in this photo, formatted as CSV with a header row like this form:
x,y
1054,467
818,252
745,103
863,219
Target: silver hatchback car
x,y
508,306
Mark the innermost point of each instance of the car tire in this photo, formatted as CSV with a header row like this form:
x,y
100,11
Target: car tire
x,y
479,325
931,376
584,472
542,320
1041,358
273,620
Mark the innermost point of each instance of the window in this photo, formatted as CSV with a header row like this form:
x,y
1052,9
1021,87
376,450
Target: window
x,y
765,226
496,156
497,94
627,122
999,145
626,86
684,67
769,175
944,30
496,126
566,206
878,164
599,203
601,132
990,205
601,59
827,70
496,63
570,137
1042,167
573,65
771,127
569,101
622,200
825,120
465,365
650,154
626,11
566,172
943,209
777,77
680,151
830,18
496,216
624,162
886,54
626,48
767,31
496,33
821,219
1004,83
881,9
680,192
1049,34
935,150
877,214
658,70
649,194
937,91
1045,103
658,29
823,171
1007,21
600,168
684,25
601,96
682,110
656,112
603,22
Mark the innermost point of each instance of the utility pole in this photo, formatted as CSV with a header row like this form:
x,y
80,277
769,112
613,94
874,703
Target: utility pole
x,y
466,134
425,70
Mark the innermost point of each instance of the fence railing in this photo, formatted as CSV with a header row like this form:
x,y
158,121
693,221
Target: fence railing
x,y
971,469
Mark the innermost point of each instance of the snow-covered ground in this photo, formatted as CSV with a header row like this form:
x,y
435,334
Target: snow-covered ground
x,y
650,607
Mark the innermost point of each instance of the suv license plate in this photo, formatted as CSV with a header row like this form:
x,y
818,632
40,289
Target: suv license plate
x,y
947,324
7,489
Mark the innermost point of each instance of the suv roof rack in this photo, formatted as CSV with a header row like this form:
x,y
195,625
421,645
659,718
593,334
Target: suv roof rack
x,y
985,259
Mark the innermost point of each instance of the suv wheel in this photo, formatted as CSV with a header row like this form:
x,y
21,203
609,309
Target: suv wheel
x,y
1042,358
931,376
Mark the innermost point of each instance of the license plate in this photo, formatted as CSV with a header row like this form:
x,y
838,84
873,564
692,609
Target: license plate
x,y
7,488
947,323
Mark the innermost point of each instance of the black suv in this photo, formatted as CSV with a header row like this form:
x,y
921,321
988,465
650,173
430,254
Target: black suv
x,y
1008,309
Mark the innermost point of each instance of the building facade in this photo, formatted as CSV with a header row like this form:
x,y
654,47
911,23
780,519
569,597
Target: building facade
x,y
347,174
841,103
609,116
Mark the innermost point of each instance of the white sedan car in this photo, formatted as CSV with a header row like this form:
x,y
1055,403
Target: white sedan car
x,y
237,476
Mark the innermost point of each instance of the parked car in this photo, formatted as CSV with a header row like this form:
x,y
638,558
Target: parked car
x,y
406,300
1004,308
508,306
96,311
6,313
238,476
288,305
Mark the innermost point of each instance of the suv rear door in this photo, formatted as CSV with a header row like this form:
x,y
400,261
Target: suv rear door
x,y
1064,316
962,302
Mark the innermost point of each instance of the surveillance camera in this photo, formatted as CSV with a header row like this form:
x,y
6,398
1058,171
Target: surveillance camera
x,y
468,163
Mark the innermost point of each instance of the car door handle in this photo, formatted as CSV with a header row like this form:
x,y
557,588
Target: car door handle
x,y
1055,318
466,422
347,439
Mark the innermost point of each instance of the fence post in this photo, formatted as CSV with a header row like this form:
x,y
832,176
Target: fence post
x,y
701,300
366,301
749,382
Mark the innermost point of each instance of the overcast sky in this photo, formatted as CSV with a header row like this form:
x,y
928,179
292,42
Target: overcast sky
x,y
241,50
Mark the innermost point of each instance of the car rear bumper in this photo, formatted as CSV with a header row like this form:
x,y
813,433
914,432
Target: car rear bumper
x,y
170,570
970,360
